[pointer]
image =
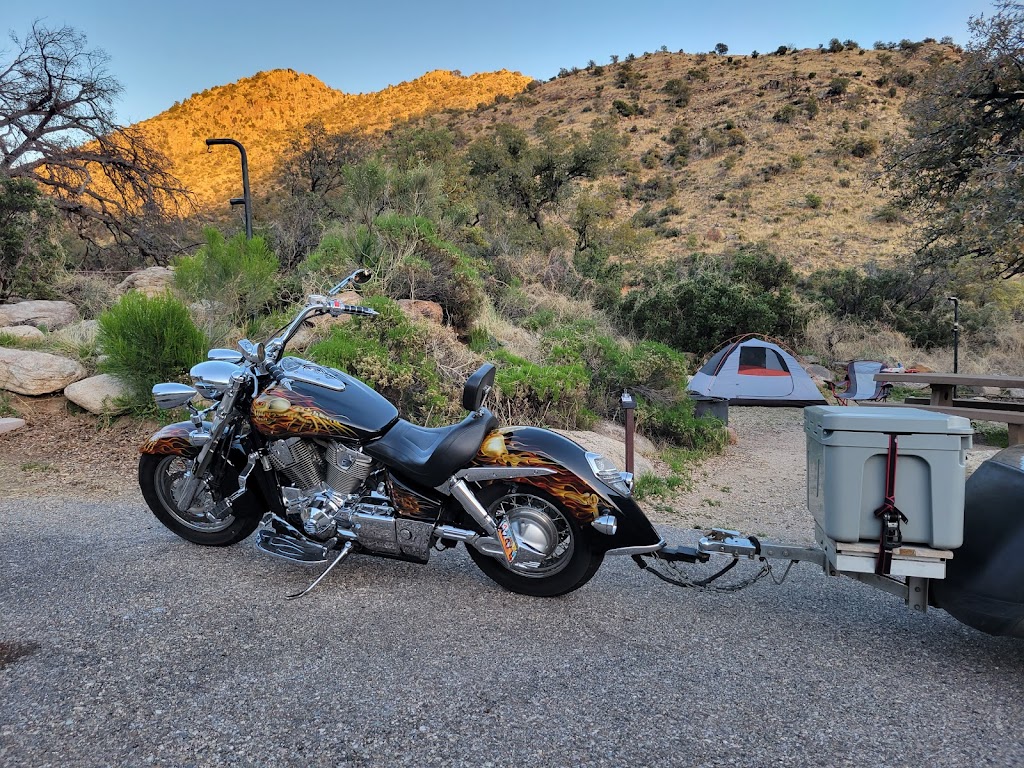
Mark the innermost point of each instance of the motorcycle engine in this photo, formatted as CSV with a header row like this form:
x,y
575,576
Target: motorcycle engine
x,y
326,478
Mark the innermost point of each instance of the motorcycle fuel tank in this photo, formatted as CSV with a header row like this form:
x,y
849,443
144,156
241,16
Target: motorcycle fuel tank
x,y
325,403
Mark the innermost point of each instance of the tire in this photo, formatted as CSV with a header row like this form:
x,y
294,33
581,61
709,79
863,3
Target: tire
x,y
572,563
158,475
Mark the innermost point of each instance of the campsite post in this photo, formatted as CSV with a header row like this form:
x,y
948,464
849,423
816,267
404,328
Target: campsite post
x,y
628,403
956,332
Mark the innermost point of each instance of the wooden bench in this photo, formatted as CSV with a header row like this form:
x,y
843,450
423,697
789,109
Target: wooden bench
x,y
958,402
1014,420
943,387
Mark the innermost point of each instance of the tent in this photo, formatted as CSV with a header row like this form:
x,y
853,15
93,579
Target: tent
x,y
752,371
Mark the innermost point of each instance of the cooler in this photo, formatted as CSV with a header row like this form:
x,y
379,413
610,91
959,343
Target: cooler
x,y
847,450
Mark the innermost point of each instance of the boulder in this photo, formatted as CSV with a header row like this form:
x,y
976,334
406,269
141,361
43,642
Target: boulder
x,y
97,394
416,309
152,281
1016,394
41,314
10,424
36,373
618,432
820,373
27,332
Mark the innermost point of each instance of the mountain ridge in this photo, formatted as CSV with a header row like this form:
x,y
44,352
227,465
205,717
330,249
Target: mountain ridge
x,y
266,110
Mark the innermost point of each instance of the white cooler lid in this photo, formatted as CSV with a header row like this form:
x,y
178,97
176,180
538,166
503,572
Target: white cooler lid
x,y
901,420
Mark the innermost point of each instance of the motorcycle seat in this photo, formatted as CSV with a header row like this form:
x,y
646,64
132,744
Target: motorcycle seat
x,y
429,456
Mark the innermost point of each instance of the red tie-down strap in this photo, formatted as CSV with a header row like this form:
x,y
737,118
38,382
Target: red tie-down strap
x,y
889,514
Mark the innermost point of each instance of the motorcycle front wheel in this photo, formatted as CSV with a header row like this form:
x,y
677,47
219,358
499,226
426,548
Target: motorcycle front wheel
x,y
546,526
161,478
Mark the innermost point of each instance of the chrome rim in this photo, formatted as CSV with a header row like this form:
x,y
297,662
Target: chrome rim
x,y
170,478
543,527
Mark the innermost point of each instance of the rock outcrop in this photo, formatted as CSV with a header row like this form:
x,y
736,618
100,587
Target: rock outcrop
x,y
151,281
41,314
36,373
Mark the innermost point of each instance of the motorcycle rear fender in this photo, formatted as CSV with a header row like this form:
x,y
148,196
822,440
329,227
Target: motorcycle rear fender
x,y
573,483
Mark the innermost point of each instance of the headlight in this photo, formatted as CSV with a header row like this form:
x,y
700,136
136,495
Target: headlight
x,y
609,474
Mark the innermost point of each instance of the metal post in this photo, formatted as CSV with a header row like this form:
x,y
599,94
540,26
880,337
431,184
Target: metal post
x,y
629,405
246,199
956,332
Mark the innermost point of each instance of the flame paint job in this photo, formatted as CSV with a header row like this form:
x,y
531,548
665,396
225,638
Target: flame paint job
x,y
171,440
410,503
308,410
528,447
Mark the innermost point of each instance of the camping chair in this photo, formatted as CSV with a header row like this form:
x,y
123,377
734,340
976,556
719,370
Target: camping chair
x,y
860,383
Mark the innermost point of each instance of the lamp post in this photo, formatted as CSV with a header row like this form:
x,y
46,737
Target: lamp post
x,y
956,332
628,403
245,200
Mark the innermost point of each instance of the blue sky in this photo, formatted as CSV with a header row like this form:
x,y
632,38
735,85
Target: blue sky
x,y
163,52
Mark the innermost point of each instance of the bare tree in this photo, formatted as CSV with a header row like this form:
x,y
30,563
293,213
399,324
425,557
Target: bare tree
x,y
57,128
961,164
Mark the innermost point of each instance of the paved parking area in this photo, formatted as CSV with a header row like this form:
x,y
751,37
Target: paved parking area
x,y
146,650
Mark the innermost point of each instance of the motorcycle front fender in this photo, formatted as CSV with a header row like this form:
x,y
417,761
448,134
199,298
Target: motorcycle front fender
x,y
173,440
573,483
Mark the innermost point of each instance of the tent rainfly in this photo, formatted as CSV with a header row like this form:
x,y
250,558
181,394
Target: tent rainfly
x,y
752,371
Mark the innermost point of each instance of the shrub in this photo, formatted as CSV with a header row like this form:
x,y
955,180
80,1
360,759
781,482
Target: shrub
x,y
30,257
864,147
147,341
552,395
388,353
235,278
679,91
626,108
693,306
813,200
838,86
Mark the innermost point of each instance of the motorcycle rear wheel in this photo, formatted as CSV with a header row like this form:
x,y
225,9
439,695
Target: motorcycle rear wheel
x,y
160,476
571,563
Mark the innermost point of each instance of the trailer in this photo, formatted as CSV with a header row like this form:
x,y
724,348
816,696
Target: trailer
x,y
892,509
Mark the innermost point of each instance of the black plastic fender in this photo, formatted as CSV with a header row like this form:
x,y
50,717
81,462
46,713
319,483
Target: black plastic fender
x,y
572,482
984,584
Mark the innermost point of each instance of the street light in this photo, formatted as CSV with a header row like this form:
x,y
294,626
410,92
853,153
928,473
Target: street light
x,y
956,331
245,199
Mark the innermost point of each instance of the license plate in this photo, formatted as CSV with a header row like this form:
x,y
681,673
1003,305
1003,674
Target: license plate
x,y
508,540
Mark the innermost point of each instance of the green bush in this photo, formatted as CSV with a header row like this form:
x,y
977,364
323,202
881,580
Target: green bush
x,y
388,353
147,341
552,395
694,306
30,257
235,278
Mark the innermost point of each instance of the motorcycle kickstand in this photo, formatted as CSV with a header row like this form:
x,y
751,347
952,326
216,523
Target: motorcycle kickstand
x,y
345,550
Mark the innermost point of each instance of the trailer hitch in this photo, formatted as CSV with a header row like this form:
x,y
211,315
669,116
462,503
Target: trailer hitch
x,y
735,546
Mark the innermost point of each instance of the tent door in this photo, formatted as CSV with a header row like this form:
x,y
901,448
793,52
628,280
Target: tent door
x,y
763,373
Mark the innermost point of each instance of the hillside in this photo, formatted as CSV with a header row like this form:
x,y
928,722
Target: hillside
x,y
732,149
265,111
723,149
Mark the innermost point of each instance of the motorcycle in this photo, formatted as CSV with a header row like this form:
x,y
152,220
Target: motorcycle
x,y
325,467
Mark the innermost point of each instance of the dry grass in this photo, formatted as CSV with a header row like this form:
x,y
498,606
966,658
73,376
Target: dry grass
x,y
834,342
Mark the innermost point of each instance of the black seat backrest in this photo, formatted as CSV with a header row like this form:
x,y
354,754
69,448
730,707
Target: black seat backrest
x,y
477,387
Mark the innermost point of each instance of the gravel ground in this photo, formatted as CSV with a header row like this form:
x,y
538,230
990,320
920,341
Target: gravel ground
x,y
141,649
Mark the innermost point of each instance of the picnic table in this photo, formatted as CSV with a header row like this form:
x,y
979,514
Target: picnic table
x,y
943,388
